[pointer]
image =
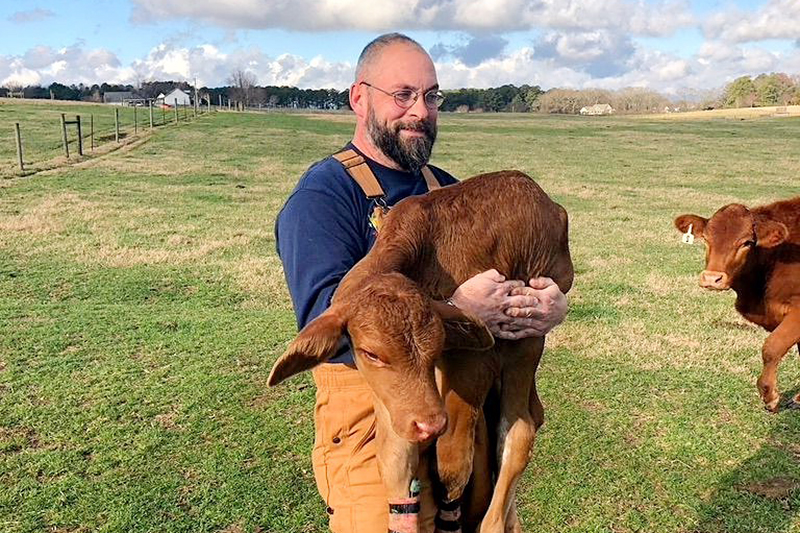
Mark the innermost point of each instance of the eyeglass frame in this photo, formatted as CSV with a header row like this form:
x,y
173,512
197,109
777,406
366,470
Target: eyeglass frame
x,y
438,93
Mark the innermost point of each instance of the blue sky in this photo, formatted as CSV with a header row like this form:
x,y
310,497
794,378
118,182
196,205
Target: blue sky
x,y
666,45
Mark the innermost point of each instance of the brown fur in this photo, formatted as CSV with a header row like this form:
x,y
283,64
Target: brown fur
x,y
756,252
405,339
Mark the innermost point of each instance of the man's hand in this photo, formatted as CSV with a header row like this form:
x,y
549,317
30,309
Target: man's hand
x,y
548,310
509,308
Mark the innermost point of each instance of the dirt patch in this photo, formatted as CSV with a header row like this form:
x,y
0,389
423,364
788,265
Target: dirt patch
x,y
775,489
17,439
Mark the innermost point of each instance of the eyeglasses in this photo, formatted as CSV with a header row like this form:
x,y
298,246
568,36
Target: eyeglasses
x,y
405,98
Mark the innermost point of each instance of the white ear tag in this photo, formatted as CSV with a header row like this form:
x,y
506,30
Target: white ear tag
x,y
688,238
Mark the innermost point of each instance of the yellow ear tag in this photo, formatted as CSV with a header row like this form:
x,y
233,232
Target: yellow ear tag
x,y
376,219
688,238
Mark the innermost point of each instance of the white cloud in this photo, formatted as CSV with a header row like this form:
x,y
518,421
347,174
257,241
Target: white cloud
x,y
778,19
635,16
576,59
209,65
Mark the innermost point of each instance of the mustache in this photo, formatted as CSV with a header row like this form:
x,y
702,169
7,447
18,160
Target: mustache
x,y
422,126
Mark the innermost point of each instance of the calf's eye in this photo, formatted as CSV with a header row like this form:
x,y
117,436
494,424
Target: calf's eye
x,y
373,358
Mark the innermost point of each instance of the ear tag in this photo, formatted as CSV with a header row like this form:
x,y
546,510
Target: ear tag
x,y
688,238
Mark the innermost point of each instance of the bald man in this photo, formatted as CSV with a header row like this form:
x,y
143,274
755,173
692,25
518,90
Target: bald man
x,y
330,222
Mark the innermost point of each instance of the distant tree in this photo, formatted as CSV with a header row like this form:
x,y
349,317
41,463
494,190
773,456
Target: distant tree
x,y
35,91
531,96
768,89
740,93
62,92
242,84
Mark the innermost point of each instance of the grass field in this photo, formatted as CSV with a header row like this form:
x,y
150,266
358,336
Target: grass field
x,y
142,306
42,137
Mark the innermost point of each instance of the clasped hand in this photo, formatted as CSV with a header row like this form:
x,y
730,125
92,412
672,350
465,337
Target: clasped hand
x,y
510,308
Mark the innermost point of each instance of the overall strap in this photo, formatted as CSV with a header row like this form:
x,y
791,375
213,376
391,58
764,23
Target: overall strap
x,y
358,169
430,179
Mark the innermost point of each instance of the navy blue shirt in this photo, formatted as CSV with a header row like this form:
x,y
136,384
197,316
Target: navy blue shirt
x,y
323,230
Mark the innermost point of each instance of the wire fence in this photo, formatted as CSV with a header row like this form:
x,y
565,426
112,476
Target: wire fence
x,y
39,135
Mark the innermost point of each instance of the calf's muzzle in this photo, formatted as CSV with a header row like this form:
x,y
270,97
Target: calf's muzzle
x,y
428,429
711,279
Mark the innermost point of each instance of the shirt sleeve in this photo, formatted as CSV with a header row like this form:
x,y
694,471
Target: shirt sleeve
x,y
317,240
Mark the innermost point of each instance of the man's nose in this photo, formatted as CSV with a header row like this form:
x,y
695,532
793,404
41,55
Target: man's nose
x,y
419,108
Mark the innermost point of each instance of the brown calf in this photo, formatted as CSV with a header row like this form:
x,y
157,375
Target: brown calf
x,y
756,252
405,339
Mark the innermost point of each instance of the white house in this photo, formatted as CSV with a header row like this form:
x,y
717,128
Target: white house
x,y
176,96
597,109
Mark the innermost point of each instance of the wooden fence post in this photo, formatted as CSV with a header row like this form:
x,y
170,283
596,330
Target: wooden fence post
x,y
80,135
135,121
116,123
19,147
151,114
64,134
176,111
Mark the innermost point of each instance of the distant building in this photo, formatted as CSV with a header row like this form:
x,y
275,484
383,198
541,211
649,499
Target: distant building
x,y
175,96
597,109
117,97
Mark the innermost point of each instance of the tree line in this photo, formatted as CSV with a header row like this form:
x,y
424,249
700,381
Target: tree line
x,y
242,89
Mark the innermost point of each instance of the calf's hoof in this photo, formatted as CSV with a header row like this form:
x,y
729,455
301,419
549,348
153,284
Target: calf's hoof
x,y
773,406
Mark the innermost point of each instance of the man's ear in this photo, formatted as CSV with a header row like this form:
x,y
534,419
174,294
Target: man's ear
x,y
315,344
770,233
358,99
462,330
698,224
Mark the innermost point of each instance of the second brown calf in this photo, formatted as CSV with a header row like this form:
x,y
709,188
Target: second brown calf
x,y
430,365
756,252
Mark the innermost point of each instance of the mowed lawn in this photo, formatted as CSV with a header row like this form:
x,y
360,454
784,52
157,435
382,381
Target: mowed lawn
x,y
142,306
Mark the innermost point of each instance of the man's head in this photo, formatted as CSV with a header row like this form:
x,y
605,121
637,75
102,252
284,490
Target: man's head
x,y
395,100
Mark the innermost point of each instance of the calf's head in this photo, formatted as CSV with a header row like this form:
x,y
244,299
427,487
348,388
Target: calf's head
x,y
396,333
734,237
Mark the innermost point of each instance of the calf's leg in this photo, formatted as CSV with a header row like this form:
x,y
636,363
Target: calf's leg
x,y
516,431
398,461
786,335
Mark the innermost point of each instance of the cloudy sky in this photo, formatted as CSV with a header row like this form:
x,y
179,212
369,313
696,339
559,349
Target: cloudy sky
x,y
666,45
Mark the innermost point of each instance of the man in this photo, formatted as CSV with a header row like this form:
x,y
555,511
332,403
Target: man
x,y
328,224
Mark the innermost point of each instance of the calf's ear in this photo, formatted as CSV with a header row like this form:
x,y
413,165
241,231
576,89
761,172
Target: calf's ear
x,y
697,224
462,330
316,343
770,233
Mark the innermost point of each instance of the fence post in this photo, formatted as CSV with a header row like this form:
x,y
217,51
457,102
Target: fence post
x,y
176,111
80,135
151,114
116,123
91,130
19,147
64,134
135,121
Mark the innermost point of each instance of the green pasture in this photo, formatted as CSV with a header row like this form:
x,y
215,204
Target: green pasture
x,y
142,306
42,136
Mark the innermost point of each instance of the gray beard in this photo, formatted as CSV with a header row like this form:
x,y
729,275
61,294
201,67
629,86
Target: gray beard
x,y
411,154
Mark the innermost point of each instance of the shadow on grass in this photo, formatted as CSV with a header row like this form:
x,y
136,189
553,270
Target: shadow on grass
x,y
763,493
